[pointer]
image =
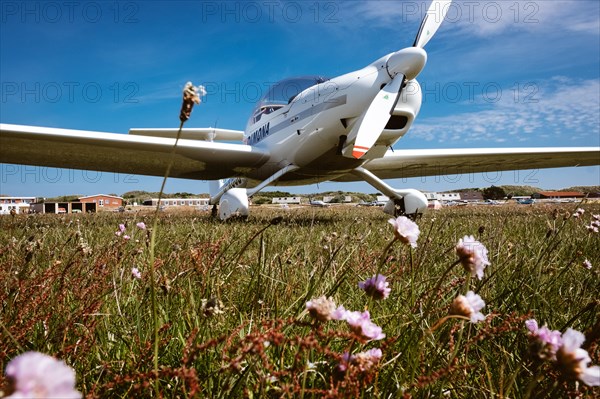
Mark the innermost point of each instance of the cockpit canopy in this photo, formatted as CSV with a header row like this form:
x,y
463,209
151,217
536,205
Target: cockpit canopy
x,y
282,93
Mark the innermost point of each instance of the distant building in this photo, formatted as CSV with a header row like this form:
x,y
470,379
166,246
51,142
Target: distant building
x,y
557,195
87,204
103,200
444,197
64,207
177,202
18,204
431,196
520,197
17,200
286,200
471,196
347,199
382,199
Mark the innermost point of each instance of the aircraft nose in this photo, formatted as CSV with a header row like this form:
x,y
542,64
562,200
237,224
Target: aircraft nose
x,y
409,62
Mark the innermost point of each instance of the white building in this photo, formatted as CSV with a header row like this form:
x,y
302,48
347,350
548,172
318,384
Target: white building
x,y
347,199
441,197
431,196
178,201
285,200
18,204
448,197
5,209
382,199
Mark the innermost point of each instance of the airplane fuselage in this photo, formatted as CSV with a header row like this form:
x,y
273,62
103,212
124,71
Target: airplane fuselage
x,y
310,130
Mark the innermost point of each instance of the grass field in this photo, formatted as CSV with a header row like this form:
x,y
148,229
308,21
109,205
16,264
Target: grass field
x,y
231,302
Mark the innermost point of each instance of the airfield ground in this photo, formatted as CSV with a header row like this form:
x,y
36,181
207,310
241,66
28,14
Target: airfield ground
x,y
231,301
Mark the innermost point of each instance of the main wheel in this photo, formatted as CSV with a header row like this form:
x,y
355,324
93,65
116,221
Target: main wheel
x,y
399,209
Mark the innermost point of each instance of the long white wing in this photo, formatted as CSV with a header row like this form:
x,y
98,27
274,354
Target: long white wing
x,y
209,133
433,162
133,153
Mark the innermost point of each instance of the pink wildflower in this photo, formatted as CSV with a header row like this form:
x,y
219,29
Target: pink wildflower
x,y
126,237
573,361
545,342
343,365
135,272
472,255
468,306
376,287
322,309
141,226
35,375
360,324
121,230
339,313
592,228
364,361
587,264
579,212
405,230
367,360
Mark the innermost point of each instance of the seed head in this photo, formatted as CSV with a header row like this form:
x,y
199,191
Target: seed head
x,y
468,306
472,255
405,230
322,308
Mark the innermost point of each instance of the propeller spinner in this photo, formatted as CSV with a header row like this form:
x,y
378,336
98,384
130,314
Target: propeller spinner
x,y
402,66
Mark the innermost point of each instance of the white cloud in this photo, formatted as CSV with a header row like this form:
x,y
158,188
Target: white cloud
x,y
484,18
560,111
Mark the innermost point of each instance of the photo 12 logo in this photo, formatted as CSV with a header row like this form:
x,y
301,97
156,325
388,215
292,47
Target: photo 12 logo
x,y
466,175
69,92
26,174
471,12
476,92
269,11
251,92
53,12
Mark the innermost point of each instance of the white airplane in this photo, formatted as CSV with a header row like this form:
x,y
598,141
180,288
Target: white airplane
x,y
303,131
318,203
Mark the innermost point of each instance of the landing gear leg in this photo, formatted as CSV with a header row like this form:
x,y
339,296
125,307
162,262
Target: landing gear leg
x,y
214,211
408,202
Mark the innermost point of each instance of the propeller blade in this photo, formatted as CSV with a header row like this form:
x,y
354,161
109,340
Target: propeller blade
x,y
431,22
377,116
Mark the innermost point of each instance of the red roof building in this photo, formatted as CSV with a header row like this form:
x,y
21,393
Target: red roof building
x,y
558,194
471,196
103,200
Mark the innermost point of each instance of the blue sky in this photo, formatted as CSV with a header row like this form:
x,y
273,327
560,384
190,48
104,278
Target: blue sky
x,y
499,74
